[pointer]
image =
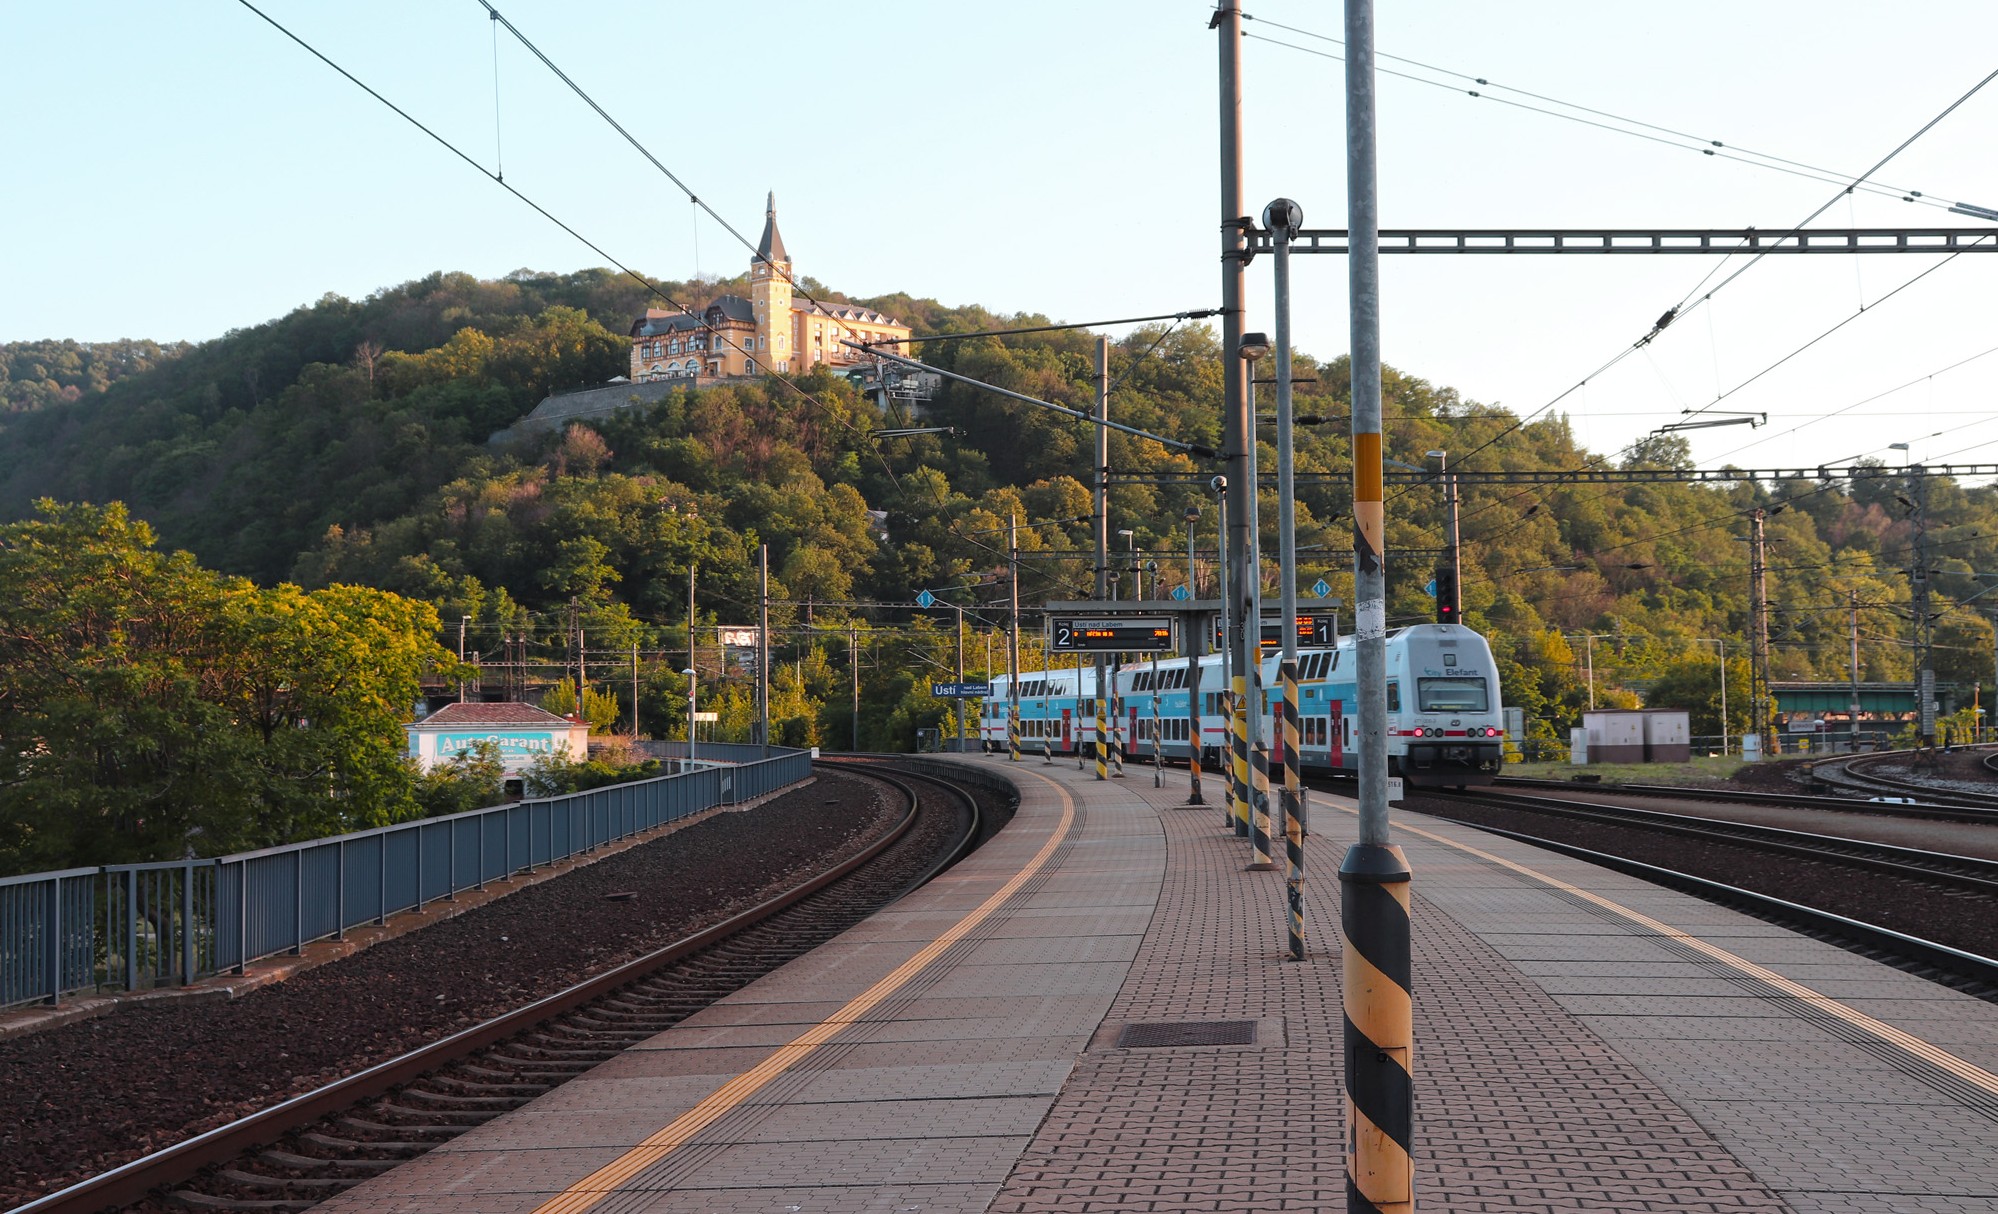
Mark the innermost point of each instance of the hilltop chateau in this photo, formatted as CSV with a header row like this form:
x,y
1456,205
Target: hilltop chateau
x,y
768,332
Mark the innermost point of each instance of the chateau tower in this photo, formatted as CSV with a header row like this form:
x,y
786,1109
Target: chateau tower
x,y
770,293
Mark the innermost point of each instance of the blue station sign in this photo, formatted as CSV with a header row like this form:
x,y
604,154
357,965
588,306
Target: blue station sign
x,y
961,691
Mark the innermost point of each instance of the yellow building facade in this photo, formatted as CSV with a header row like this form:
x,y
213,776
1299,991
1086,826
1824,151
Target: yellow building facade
x,y
771,332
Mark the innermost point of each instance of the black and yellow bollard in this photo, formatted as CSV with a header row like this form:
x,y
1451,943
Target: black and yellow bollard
x,y
1239,757
1293,811
1380,1035
1102,745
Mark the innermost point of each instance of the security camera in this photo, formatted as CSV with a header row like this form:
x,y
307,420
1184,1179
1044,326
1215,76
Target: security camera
x,y
1219,484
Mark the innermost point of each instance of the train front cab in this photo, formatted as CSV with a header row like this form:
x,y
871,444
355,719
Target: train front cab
x,y
1450,725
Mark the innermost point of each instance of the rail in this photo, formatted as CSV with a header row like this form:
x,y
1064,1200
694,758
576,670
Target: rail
x,y
133,926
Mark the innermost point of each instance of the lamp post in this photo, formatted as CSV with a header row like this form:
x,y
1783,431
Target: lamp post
x,y
1284,217
691,714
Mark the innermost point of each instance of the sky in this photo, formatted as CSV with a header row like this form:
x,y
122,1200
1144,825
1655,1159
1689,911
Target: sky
x,y
179,170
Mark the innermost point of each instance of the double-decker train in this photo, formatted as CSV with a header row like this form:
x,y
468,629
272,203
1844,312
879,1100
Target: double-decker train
x,y
1444,725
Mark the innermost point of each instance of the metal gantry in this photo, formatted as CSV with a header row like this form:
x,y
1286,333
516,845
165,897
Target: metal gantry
x,y
1643,241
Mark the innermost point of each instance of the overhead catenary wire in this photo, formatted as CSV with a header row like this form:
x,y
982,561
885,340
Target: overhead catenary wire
x,y
780,269
1697,143
650,286
1688,303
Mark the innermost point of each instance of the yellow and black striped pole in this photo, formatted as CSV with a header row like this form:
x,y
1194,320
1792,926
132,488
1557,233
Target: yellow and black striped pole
x,y
1225,754
1239,753
1293,812
1380,1038
1013,732
1374,879
1259,772
1102,743
1259,808
1117,739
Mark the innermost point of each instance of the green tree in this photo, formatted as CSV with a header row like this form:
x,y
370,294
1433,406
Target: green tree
x,y
150,708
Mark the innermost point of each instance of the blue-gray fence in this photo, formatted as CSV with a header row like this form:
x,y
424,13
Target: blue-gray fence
x,y
143,925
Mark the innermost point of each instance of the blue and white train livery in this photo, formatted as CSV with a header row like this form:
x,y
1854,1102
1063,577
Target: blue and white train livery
x,y
1444,725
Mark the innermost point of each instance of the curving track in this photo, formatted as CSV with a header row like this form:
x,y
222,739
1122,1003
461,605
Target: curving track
x,y
1863,775
315,1145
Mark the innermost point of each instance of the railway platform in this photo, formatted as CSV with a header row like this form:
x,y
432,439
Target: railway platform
x,y
1020,1035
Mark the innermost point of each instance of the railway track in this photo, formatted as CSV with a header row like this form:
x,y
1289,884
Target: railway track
x,y
1860,775
1727,796
313,1146
1926,910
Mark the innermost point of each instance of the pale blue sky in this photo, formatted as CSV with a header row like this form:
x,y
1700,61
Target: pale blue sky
x,y
179,169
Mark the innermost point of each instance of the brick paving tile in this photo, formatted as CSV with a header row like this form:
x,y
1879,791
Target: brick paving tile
x,y
1520,1107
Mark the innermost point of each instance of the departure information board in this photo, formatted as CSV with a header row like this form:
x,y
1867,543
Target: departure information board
x,y
1313,632
1112,635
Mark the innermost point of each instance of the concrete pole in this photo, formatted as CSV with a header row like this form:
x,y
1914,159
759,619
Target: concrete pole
x,y
1102,540
1758,638
1374,879
1195,642
1283,218
1013,636
1852,599
1238,421
763,647
1235,804
853,660
1255,749
1925,675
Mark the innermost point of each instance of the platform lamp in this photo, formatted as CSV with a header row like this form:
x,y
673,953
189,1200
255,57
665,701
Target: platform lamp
x,y
691,715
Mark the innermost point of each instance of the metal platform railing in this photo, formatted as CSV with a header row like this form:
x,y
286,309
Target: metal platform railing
x,y
133,926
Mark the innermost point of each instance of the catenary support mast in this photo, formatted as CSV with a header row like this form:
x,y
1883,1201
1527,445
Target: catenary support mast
x,y
1374,878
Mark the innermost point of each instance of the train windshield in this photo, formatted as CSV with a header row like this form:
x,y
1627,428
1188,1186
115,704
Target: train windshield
x,y
1452,695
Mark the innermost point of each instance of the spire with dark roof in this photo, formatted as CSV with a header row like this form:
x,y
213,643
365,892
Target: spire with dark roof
x,y
772,246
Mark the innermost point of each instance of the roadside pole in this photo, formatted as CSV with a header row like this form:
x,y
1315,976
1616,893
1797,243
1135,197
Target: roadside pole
x,y
1283,218
1374,878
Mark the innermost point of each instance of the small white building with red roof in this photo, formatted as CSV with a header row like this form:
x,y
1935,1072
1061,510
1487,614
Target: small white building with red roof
x,y
522,733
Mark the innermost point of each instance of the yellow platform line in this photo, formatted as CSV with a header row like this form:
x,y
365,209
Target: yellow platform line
x,y
603,1182
1967,1071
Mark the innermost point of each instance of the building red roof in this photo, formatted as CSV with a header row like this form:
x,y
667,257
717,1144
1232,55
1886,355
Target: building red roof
x,y
493,714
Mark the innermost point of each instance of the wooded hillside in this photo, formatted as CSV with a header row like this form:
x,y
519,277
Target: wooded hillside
x,y
346,443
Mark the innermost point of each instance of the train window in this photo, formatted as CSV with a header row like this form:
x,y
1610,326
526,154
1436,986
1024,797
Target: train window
x,y
1394,696
1452,695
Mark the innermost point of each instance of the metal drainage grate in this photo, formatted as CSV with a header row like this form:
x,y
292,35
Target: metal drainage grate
x,y
1191,1032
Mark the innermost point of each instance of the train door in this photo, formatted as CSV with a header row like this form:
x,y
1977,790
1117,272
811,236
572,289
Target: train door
x,y
1336,733
1067,724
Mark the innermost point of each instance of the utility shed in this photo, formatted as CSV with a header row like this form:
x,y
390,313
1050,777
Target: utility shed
x,y
521,733
1668,735
1616,735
